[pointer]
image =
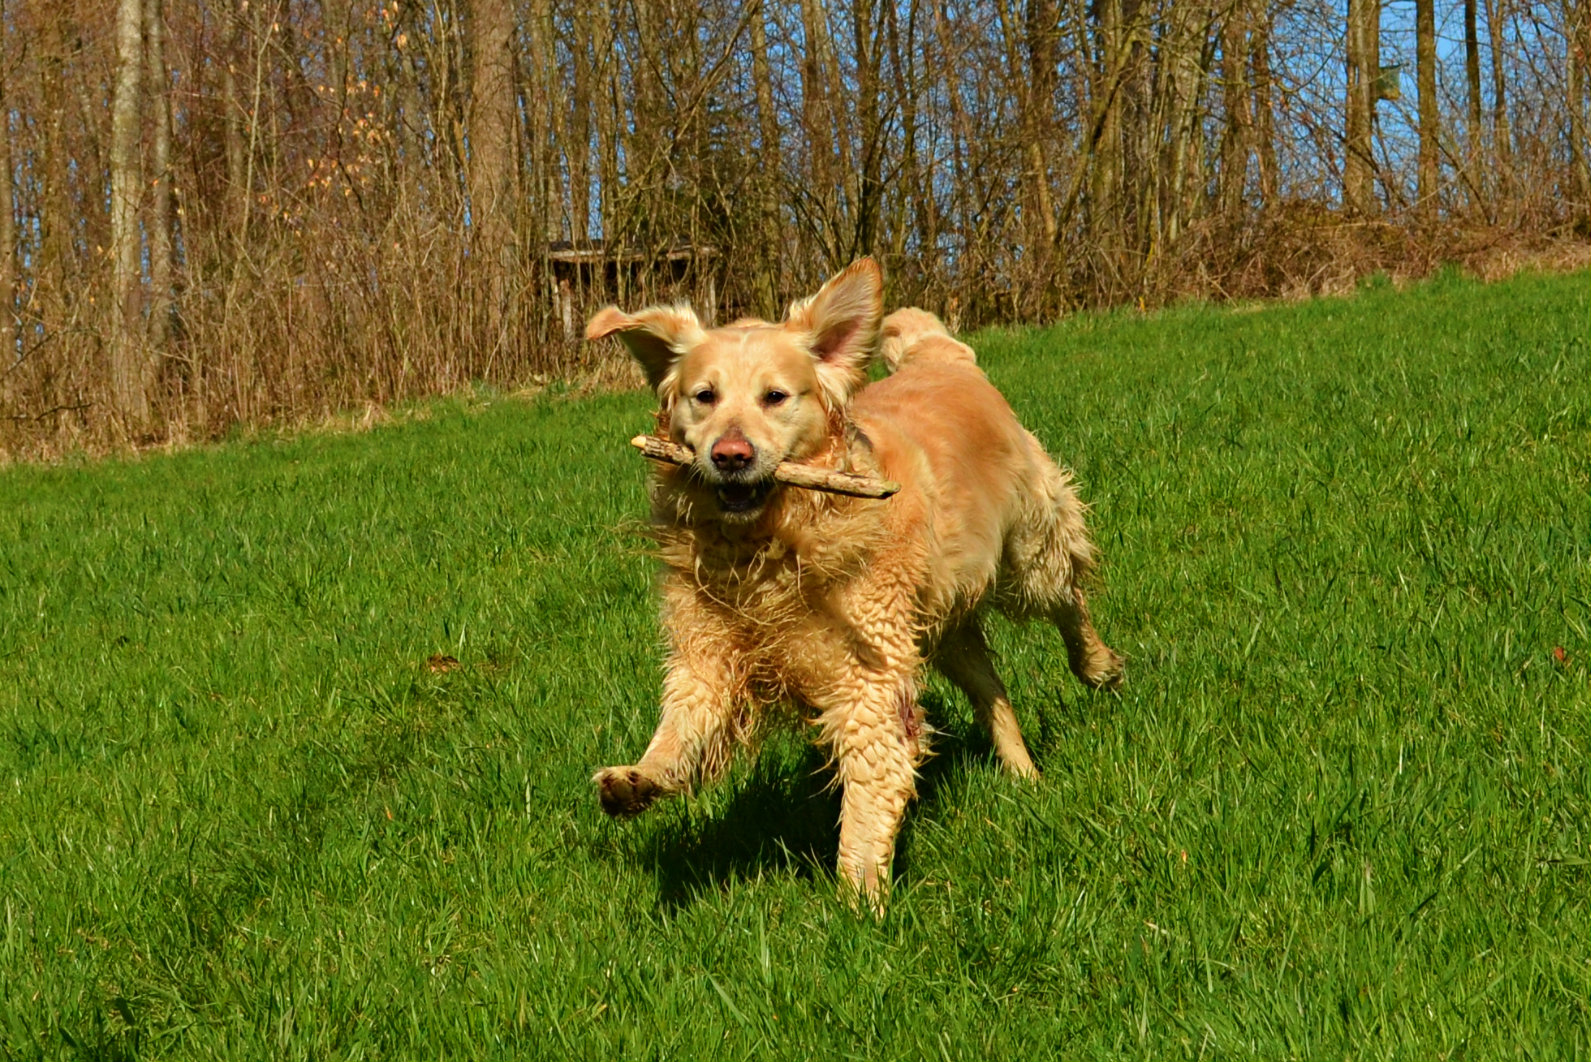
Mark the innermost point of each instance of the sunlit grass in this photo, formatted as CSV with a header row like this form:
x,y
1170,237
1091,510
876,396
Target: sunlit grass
x,y
1341,808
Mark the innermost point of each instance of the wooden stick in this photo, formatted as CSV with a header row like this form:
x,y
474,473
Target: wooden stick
x,y
790,473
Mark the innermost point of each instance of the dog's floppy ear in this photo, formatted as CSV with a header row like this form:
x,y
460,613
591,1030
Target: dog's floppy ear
x,y
841,324
656,337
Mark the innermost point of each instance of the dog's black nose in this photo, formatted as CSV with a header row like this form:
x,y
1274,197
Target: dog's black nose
x,y
732,452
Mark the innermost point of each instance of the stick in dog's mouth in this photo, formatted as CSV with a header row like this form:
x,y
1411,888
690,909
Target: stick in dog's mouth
x,y
790,473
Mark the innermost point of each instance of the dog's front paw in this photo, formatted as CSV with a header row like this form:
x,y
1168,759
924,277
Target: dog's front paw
x,y
625,791
1105,671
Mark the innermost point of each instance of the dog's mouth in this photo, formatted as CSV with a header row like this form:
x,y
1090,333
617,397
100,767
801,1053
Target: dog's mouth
x,y
740,498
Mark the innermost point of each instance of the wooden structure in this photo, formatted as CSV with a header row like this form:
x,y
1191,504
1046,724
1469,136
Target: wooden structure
x,y
619,273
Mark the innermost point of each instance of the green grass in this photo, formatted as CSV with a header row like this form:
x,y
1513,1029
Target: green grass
x,y
1342,807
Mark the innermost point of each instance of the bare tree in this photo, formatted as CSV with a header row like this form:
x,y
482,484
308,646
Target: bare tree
x,y
1105,207
159,219
577,144
1577,20
236,110
313,205
1502,138
868,183
771,159
1235,89
491,166
10,329
57,257
1043,60
1358,165
1264,106
126,179
1430,129
825,140
1472,85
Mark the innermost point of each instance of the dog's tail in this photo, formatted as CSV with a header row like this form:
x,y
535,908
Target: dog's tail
x,y
913,335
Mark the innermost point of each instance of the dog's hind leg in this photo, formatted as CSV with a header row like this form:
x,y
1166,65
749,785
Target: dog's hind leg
x,y
1094,663
701,722
963,657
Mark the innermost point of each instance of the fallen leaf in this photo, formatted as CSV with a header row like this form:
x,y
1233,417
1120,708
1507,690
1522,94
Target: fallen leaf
x,y
441,665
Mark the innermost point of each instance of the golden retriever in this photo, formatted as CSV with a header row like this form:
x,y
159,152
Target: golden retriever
x,y
774,594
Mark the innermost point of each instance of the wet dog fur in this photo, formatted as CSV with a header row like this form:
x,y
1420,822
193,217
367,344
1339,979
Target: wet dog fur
x,y
773,594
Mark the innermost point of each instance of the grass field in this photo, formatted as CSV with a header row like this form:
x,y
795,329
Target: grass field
x,y
1342,807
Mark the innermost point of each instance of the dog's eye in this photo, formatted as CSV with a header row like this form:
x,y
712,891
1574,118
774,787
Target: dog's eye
x,y
705,396
773,398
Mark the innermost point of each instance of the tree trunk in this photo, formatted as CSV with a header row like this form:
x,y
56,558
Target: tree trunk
x,y
127,347
489,170
607,120
1137,171
1235,147
1430,130
577,146
235,108
1180,48
916,215
768,159
55,294
160,280
1264,108
869,185
1472,83
559,210
1358,166
538,122
834,98
1502,146
959,135
1577,20
1104,185
828,166
10,331
1043,45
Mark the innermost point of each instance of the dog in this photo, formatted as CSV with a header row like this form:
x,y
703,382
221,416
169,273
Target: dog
x,y
779,595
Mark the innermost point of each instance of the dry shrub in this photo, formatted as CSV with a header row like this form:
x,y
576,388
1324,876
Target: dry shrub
x,y
310,333
1305,250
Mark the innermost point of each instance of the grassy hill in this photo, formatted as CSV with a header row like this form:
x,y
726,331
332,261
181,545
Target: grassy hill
x,y
249,806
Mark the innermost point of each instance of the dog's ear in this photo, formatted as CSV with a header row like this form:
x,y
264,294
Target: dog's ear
x,y
656,337
841,324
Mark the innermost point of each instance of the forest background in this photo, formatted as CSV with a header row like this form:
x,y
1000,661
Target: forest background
x,y
224,212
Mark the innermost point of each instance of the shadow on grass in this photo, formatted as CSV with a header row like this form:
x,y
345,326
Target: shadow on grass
x,y
785,817
959,748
